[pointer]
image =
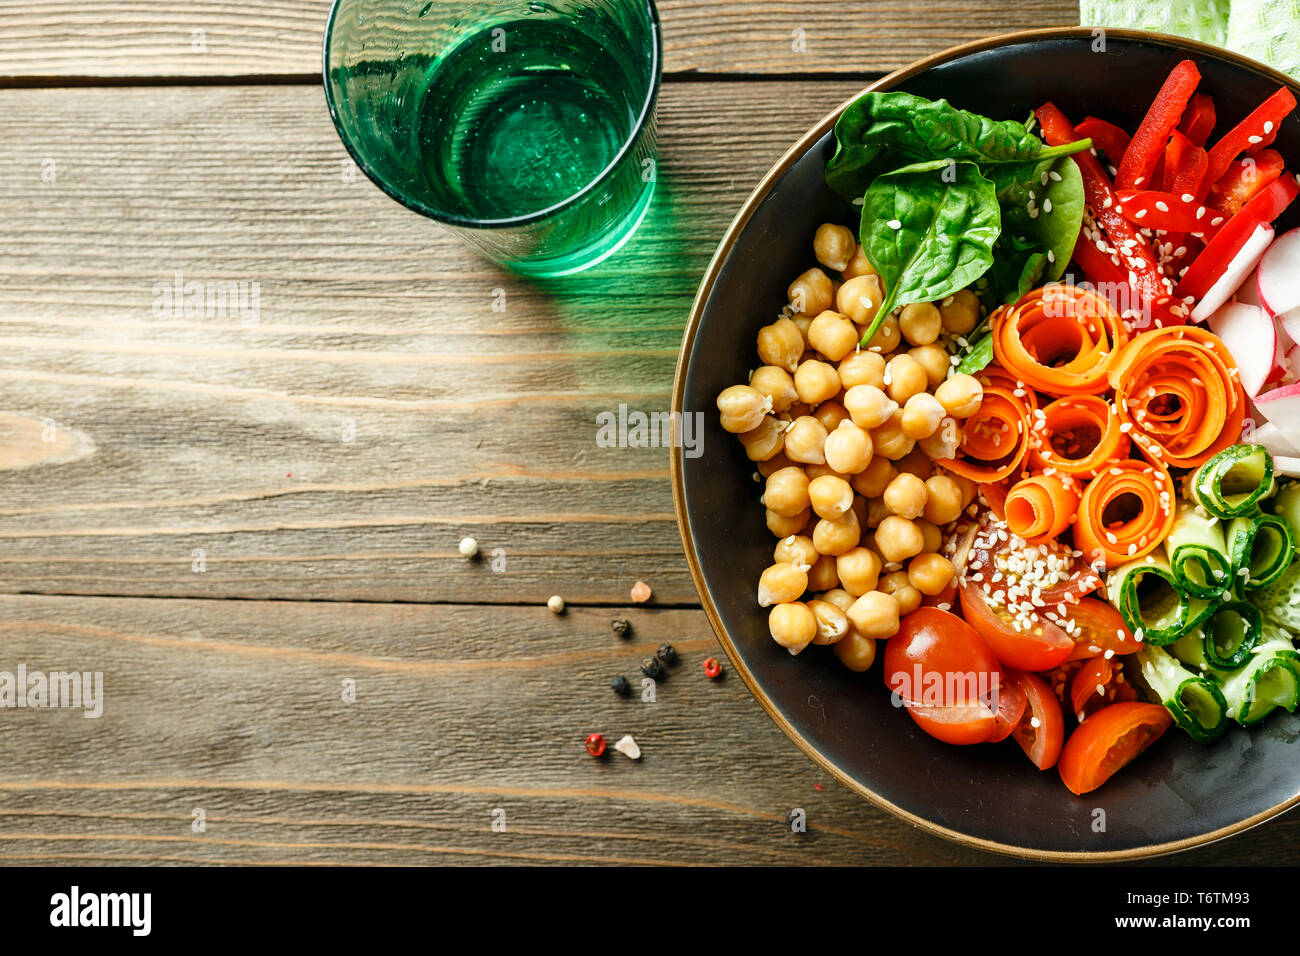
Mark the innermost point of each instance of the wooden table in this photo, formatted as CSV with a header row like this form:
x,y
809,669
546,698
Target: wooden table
x,y
232,519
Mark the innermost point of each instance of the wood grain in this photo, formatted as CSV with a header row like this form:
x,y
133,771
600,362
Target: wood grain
x,y
459,710
62,38
209,433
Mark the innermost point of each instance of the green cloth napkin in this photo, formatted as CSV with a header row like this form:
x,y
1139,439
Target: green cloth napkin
x,y
1265,30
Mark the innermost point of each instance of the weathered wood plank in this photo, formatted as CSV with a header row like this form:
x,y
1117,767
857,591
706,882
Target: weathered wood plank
x,y
60,38
379,408
459,710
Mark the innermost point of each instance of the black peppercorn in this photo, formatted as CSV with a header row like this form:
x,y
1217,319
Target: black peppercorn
x,y
652,668
620,685
667,653
620,627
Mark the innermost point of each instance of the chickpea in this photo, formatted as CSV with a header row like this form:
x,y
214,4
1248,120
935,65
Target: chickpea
x,y
848,449
834,536
908,597
898,539
742,408
811,292
904,377
872,481
960,312
816,382
775,463
833,335
860,299
785,525
797,549
943,500
831,497
916,462
922,415
920,323
877,511
905,496
859,265
960,395
805,441
868,406
856,652
859,510
797,410
931,536
886,338
832,623
781,583
822,576
932,358
781,344
765,441
834,246
776,384
830,414
792,626
803,323
841,598
819,471
865,368
786,491
875,614
859,570
969,489
930,573
945,441
889,439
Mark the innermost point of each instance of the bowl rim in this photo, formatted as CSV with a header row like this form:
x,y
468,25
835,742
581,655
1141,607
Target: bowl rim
x,y
723,251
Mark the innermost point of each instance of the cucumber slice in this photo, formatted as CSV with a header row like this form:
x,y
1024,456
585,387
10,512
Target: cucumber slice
x,y
1280,601
1231,633
1260,548
1233,482
1149,599
1270,679
1198,553
1196,703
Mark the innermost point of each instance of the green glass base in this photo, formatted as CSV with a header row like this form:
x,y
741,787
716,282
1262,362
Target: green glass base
x,y
593,253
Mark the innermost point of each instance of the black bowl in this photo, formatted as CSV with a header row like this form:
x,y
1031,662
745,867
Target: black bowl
x,y
1178,794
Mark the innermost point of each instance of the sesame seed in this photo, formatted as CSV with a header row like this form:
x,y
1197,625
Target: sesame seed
x,y
1188,197
1140,214
894,224
1162,206
1255,140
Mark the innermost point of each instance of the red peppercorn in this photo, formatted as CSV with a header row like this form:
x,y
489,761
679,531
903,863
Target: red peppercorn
x,y
595,744
712,669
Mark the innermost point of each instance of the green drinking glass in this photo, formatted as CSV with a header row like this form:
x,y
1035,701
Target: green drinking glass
x,y
528,128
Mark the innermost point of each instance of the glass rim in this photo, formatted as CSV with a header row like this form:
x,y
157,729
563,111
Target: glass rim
x,y
647,110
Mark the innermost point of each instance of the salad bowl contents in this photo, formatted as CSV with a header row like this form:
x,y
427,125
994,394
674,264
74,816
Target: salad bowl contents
x,y
1021,432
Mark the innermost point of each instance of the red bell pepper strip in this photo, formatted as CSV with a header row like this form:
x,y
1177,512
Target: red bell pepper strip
x,y
1107,137
1148,144
1144,274
1191,167
1169,212
1198,119
1267,205
1244,179
1097,265
1261,126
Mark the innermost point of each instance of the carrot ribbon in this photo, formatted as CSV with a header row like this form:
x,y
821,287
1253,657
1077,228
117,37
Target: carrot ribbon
x,y
1125,512
1078,435
995,439
1060,339
1041,508
1178,390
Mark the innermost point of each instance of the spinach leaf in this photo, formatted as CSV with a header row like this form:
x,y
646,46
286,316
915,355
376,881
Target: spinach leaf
x,y
1019,264
1053,190
880,131
928,229
978,356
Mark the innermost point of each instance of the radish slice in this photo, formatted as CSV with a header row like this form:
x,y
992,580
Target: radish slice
x,y
1251,337
1287,467
1271,437
1249,291
1279,274
1281,407
1241,266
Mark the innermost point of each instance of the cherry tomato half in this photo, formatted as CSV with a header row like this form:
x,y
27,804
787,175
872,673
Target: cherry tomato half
x,y
1101,629
1041,731
946,675
1098,672
1037,648
1108,740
